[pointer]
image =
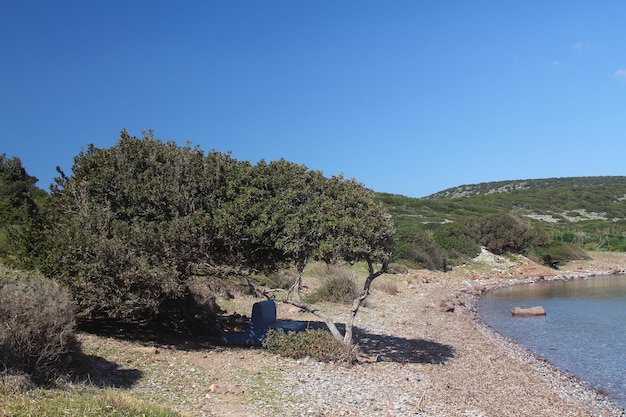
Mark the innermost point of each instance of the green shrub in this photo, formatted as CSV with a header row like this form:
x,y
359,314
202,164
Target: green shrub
x,y
316,344
430,258
337,287
37,333
418,248
456,240
21,222
283,279
560,252
590,246
616,244
502,233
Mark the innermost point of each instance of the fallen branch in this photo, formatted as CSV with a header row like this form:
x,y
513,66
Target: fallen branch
x,y
419,404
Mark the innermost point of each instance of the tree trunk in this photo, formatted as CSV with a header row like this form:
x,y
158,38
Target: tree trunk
x,y
358,302
317,312
293,298
295,288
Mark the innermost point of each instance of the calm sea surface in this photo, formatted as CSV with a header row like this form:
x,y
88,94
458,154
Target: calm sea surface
x,y
583,332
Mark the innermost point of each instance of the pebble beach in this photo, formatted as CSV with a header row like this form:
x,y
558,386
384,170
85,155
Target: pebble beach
x,y
423,352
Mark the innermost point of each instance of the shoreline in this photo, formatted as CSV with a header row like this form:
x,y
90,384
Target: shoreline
x,y
421,361
418,360
561,380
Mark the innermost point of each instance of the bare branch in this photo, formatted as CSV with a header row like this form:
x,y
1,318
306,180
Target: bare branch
x,y
316,312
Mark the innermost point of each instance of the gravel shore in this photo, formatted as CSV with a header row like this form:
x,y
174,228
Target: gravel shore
x,y
416,359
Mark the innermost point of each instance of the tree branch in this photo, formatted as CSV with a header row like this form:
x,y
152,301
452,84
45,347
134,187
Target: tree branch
x,y
309,309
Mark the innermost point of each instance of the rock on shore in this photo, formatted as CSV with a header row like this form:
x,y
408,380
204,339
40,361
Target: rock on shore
x,y
528,312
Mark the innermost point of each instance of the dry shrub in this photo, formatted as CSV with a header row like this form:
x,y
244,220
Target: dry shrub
x,y
397,269
316,344
386,285
14,384
338,285
37,333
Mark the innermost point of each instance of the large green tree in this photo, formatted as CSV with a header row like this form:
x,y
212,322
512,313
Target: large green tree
x,y
133,222
359,230
328,219
21,227
276,214
137,223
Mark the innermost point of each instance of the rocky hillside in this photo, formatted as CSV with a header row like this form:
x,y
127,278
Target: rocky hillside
x,y
616,184
581,210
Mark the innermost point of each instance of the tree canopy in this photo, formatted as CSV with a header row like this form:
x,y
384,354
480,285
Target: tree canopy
x,y
20,217
133,224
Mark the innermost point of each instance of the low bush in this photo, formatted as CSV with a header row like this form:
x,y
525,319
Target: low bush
x,y
37,333
283,279
417,249
559,252
386,285
316,344
431,258
505,233
337,286
397,269
457,242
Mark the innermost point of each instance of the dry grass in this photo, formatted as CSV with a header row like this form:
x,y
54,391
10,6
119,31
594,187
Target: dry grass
x,y
386,285
338,285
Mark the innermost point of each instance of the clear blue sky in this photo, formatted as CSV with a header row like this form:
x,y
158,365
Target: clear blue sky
x,y
408,97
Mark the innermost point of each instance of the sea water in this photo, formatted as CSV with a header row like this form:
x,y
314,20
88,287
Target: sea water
x,y
583,331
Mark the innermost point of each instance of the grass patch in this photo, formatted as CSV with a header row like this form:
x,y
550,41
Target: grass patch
x,y
512,257
264,389
85,402
14,384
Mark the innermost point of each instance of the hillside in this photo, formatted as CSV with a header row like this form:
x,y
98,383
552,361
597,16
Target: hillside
x,y
580,209
486,188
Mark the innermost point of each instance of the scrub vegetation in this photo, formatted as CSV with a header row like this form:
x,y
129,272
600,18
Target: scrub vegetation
x,y
549,220
149,233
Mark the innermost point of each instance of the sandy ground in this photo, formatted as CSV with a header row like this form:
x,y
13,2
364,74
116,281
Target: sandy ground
x,y
416,359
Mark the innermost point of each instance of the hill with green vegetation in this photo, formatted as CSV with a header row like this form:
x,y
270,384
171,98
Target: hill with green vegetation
x,y
586,211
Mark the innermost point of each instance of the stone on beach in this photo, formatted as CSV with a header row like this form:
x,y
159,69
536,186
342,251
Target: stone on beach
x,y
444,306
528,312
